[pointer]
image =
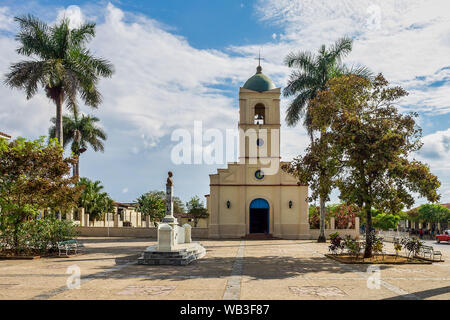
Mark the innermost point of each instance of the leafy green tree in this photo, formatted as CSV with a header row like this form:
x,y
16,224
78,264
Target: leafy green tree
x,y
317,168
33,176
196,210
151,204
61,64
81,132
178,205
93,200
313,71
433,213
374,142
385,221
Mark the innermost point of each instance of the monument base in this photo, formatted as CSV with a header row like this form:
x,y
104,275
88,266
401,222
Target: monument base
x,y
181,255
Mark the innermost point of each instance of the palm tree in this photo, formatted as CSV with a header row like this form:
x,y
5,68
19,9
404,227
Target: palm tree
x,y
61,64
312,75
95,202
81,133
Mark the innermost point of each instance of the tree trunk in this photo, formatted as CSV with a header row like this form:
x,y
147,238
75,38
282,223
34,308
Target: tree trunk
x,y
368,249
322,237
76,167
59,121
16,238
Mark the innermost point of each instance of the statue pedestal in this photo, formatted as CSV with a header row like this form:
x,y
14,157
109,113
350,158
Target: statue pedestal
x,y
182,255
175,246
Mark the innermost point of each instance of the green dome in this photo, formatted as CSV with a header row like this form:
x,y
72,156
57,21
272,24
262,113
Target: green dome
x,y
259,82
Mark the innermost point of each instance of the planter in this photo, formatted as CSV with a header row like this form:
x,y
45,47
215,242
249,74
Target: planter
x,y
378,259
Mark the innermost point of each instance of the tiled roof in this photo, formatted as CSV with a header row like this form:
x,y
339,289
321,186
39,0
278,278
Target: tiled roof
x,y
447,205
5,135
125,204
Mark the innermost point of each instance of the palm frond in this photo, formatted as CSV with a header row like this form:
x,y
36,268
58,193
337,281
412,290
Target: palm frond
x,y
33,37
83,34
297,108
341,48
299,81
359,70
302,60
60,37
27,75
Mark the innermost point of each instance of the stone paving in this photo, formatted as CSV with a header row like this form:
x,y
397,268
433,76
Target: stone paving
x,y
231,269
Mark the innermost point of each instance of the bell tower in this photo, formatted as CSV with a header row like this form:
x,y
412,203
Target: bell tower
x,y
259,122
254,195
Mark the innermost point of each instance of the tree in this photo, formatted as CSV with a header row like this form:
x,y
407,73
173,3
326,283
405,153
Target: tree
x,y
178,205
433,213
93,200
151,204
81,133
384,221
360,121
33,176
317,168
61,64
344,215
196,210
312,76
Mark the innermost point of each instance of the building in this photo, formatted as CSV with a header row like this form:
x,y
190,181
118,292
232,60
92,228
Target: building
x,y
4,136
184,218
255,195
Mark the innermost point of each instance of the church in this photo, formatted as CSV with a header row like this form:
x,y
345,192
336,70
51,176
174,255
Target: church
x,y
254,195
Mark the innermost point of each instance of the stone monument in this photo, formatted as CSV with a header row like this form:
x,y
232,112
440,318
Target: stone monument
x,y
175,246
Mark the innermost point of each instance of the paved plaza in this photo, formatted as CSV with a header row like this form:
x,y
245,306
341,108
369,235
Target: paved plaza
x,y
233,269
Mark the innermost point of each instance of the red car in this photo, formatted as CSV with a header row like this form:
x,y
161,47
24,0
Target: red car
x,y
443,237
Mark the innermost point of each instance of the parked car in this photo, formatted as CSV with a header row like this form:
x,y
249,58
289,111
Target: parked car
x,y
445,236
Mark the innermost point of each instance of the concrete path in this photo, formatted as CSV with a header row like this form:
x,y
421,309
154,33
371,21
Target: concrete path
x,y
231,270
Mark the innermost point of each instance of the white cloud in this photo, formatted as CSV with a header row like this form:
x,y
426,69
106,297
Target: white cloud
x,y
6,20
163,83
436,149
124,190
401,38
74,14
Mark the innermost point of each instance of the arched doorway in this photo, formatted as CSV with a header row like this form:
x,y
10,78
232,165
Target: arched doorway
x,y
259,216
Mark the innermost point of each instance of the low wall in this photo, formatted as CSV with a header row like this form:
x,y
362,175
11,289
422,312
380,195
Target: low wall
x,y
342,232
200,233
132,232
197,233
117,232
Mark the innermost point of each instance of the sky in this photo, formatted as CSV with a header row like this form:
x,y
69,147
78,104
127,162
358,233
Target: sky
x,y
177,62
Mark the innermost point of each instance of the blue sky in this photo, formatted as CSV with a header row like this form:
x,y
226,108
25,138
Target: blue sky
x,y
181,61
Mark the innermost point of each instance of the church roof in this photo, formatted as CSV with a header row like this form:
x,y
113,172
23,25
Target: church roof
x,y
259,82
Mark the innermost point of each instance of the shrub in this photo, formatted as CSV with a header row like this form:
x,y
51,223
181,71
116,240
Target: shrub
x,y
314,222
336,243
37,235
353,247
412,245
397,247
377,245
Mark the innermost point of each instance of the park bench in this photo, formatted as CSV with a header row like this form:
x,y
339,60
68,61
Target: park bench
x,y
429,251
68,246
